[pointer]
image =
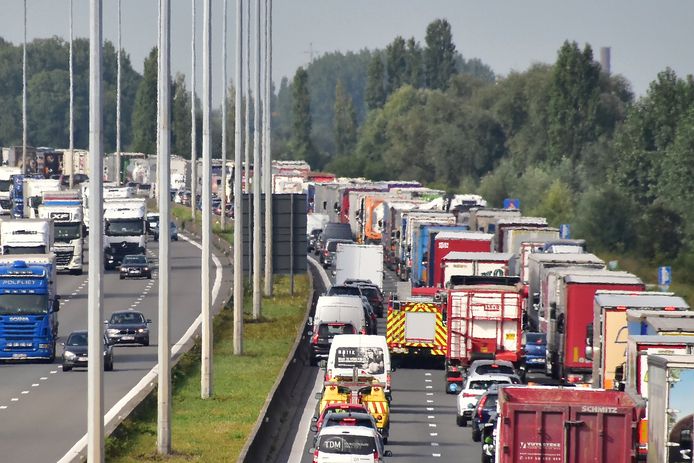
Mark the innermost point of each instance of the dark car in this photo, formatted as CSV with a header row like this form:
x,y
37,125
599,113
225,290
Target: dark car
x,y
173,231
312,238
343,408
152,222
484,410
333,231
344,290
127,327
374,295
135,266
338,418
322,338
327,255
535,351
75,352
369,317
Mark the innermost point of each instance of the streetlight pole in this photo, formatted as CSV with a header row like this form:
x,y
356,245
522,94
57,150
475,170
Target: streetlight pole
x,y
118,88
164,154
238,196
24,94
267,162
257,168
193,128
223,204
95,297
206,370
72,117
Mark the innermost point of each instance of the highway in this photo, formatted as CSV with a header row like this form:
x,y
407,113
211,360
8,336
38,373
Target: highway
x,y
422,415
42,409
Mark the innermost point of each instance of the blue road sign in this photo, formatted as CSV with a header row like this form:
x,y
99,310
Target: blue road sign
x,y
512,203
664,276
565,231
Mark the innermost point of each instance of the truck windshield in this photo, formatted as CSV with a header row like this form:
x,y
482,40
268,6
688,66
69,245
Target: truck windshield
x,y
126,227
5,185
24,250
23,304
67,231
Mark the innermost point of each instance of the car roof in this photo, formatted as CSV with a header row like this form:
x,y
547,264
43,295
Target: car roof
x,y
347,430
489,377
355,414
118,312
481,362
79,332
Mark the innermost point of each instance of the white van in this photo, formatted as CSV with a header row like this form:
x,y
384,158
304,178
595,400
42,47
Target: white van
x,y
369,353
343,309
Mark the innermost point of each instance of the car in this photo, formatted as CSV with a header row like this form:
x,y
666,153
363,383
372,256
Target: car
x,y
135,266
173,231
337,408
312,237
343,290
473,388
373,294
336,418
485,408
327,256
152,222
322,337
338,444
127,327
75,351
370,316
535,347
493,367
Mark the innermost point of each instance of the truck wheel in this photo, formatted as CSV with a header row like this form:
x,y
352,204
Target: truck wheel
x,y
109,366
66,368
51,359
460,421
476,434
312,361
76,271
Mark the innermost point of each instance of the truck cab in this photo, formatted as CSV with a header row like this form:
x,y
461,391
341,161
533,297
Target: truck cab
x,y
124,229
28,307
27,236
65,210
6,174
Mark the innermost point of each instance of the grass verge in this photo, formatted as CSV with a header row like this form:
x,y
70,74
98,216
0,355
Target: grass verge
x,y
215,430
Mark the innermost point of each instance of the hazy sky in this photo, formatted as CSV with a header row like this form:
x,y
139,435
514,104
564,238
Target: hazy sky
x,y
645,36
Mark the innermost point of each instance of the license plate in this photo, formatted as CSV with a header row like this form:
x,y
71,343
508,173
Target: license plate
x,y
330,341
128,338
134,271
19,356
82,359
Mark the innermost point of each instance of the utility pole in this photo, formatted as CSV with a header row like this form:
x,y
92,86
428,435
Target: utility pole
x,y
206,370
267,162
247,138
118,74
223,221
257,168
193,130
24,94
72,118
164,153
238,196
95,297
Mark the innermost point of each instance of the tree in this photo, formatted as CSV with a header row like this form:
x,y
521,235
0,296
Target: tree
x,y
439,54
345,121
375,83
302,146
180,117
414,72
145,111
396,65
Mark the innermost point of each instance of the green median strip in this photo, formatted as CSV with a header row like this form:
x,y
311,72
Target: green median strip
x,y
215,430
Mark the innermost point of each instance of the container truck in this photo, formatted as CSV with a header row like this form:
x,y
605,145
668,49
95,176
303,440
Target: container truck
x,y
65,210
359,261
513,237
124,229
393,213
484,219
410,223
607,336
33,191
671,409
504,225
6,174
484,321
566,425
540,262
564,246
422,252
456,264
28,307
447,242
415,328
568,319
638,321
26,236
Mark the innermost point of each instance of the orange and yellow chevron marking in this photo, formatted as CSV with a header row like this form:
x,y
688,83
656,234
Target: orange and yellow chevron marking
x,y
379,409
395,328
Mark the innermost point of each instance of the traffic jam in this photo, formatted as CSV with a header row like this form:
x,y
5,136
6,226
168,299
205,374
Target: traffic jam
x,y
552,354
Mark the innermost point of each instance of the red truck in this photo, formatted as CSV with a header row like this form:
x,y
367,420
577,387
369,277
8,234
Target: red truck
x,y
566,425
458,241
484,321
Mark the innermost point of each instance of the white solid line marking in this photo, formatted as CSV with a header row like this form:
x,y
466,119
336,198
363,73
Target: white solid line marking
x,y
35,385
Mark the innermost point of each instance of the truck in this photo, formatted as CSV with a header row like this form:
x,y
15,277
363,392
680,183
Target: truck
x,y
124,229
505,225
447,242
26,236
359,261
410,222
28,307
393,213
64,208
422,252
457,264
415,327
484,321
538,263
514,237
111,190
6,174
639,349
607,336
640,322
568,319
33,191
671,408
566,425
484,219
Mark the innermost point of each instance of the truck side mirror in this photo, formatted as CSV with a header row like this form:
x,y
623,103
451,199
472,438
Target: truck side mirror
x,y
553,311
560,324
536,298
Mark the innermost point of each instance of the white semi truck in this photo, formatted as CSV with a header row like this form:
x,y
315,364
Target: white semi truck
x,y
64,208
26,236
6,174
34,189
124,229
110,191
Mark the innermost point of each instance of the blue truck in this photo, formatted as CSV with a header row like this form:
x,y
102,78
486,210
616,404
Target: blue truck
x,y
28,307
421,251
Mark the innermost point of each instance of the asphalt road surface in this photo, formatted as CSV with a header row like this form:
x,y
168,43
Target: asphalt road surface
x,y
422,414
43,410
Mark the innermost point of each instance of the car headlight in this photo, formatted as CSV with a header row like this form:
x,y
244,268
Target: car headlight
x,y
69,355
112,331
146,269
142,330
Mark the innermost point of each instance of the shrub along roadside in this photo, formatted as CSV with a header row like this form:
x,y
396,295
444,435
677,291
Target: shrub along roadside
x,y
215,430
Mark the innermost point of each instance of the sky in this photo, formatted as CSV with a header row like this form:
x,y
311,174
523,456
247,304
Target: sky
x,y
645,36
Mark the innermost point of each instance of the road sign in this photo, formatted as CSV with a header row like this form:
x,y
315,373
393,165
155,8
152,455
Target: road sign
x,y
512,203
664,277
565,231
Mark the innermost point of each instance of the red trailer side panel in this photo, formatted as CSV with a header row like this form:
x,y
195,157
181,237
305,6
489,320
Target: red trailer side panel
x,y
443,246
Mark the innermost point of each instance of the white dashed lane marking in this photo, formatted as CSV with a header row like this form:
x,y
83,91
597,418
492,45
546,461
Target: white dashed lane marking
x,y
3,407
43,378
25,392
14,399
35,385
